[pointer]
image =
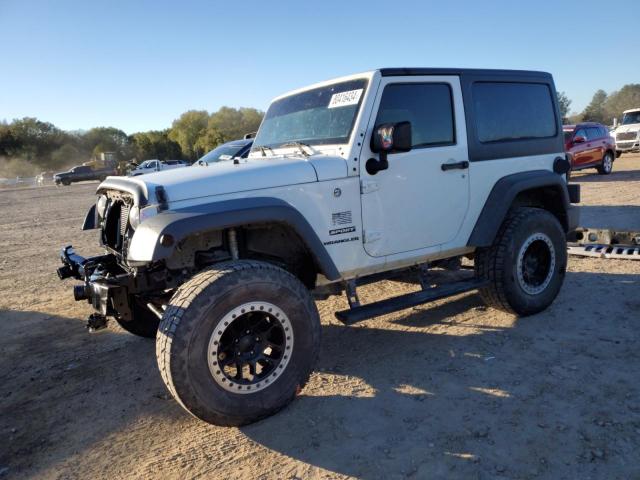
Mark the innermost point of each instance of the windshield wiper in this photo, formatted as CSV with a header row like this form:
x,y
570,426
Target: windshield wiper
x,y
264,148
301,147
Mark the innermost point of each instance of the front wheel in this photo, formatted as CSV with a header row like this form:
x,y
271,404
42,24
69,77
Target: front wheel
x,y
238,342
143,322
606,166
526,265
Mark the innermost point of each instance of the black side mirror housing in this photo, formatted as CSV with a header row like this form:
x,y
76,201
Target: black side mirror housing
x,y
388,138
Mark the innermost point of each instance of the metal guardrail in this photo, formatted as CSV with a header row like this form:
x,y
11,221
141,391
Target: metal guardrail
x,y
20,181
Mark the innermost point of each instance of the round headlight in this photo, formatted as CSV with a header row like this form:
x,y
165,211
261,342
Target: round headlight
x,y
134,217
101,206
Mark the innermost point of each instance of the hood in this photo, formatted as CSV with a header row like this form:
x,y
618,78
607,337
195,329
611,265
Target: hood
x,y
228,177
631,127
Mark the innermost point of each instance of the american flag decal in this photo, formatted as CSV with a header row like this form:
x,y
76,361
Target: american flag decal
x,y
341,218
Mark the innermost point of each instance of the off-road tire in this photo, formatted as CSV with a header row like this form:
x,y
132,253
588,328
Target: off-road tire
x,y
188,325
144,322
606,167
498,263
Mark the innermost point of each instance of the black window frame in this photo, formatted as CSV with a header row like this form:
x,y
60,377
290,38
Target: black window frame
x,y
519,139
453,113
511,148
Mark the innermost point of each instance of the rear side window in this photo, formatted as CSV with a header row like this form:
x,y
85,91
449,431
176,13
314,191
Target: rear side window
x,y
428,106
593,133
513,111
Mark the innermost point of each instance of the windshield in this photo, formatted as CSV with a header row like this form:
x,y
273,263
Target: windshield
x,y
223,152
631,117
568,135
320,116
146,164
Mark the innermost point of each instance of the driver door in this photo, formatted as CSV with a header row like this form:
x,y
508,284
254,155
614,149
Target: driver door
x,y
421,200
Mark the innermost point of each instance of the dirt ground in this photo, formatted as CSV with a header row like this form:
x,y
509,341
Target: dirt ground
x,y
445,390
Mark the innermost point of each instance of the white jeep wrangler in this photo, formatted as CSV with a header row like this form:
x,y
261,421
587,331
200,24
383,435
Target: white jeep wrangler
x,y
349,181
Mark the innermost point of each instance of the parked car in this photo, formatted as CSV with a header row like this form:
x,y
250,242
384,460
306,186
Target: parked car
x,y
227,151
627,133
349,181
155,165
590,145
82,173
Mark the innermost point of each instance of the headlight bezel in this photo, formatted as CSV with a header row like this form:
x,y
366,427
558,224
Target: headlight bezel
x,y
138,215
101,206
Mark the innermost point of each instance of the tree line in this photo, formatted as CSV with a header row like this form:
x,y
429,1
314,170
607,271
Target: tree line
x,y
29,145
604,107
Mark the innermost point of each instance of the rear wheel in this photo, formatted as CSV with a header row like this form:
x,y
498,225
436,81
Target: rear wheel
x,y
526,265
238,342
606,166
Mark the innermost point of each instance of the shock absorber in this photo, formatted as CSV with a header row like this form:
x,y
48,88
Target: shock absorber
x,y
233,244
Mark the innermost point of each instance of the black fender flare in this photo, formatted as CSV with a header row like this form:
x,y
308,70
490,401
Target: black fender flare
x,y
501,198
182,223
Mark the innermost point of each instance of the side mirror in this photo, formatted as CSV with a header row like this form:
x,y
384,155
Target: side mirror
x,y
579,139
388,138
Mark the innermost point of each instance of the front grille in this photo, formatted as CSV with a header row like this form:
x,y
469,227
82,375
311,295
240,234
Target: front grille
x,y
626,135
116,221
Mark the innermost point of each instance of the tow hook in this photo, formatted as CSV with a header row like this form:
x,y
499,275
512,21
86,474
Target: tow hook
x,y
96,322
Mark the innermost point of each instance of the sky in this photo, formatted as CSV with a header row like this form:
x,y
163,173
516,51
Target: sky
x,y
137,65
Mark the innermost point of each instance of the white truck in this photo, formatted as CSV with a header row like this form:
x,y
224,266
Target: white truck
x,y
150,166
627,133
349,181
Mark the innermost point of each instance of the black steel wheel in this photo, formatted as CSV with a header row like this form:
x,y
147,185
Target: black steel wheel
x,y
526,264
250,347
238,342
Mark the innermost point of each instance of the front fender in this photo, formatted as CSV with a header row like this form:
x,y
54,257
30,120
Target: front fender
x,y
180,224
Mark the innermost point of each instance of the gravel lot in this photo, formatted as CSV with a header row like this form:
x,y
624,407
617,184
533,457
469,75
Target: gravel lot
x,y
445,390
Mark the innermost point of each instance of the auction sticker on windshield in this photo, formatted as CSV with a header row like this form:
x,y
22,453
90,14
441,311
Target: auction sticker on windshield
x,y
342,99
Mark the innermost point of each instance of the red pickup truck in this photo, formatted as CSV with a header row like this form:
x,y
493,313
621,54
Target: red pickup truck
x,y
589,145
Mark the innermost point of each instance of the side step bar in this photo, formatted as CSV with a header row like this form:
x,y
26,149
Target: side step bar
x,y
389,305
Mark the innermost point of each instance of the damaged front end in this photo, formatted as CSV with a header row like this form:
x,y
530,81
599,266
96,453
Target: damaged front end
x,y
109,283
106,285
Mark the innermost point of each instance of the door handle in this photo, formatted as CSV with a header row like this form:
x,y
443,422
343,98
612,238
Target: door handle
x,y
455,166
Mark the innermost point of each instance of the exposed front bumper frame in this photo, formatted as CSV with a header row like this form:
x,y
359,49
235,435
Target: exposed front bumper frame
x,y
106,286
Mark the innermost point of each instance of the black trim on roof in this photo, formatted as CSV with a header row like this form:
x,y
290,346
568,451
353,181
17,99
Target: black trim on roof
x,y
393,72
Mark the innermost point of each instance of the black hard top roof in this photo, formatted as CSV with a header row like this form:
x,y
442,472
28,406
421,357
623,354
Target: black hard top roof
x,y
408,71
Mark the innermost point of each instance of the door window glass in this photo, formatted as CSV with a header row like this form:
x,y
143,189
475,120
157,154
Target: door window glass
x,y
428,106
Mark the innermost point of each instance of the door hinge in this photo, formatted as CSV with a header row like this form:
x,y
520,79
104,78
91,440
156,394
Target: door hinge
x,y
368,186
371,236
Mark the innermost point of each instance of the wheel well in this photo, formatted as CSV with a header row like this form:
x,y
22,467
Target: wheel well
x,y
548,198
613,153
279,244
275,243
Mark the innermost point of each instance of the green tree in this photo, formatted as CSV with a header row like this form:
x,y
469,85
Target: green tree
x,y
624,99
564,103
155,144
32,140
106,139
595,111
229,124
65,156
186,130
